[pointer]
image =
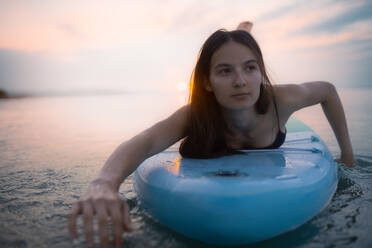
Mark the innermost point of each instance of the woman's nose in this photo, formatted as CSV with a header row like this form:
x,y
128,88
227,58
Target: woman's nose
x,y
239,79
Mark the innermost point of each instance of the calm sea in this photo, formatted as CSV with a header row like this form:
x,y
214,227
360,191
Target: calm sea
x,y
52,147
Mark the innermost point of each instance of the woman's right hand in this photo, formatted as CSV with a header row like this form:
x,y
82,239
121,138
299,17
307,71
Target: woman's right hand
x,y
102,200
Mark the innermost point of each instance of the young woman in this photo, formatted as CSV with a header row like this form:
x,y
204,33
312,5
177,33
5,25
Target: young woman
x,y
232,106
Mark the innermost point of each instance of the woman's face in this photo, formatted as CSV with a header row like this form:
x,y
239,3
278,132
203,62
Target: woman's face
x,y
234,76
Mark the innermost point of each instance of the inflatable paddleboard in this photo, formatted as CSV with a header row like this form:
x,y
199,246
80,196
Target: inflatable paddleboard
x,y
244,198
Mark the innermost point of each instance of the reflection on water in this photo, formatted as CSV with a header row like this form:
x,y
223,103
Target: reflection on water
x,y
76,128
51,148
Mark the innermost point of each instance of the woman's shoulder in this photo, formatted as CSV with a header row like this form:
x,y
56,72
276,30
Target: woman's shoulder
x,y
182,114
184,111
287,97
296,96
283,90
293,93
284,93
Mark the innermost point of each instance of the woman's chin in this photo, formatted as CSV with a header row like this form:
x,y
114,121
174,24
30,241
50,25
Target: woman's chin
x,y
239,106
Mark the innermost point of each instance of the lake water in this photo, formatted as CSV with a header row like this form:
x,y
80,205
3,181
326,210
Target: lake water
x,y
52,147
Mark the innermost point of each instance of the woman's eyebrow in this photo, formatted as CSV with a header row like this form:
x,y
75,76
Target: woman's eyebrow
x,y
222,65
250,61
228,65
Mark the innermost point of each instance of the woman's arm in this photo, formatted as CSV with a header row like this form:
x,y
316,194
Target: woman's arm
x,y
133,152
307,94
102,198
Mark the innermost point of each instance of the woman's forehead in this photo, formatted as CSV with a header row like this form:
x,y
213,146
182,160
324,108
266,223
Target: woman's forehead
x,y
232,53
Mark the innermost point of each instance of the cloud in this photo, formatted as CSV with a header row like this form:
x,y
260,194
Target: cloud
x,y
70,29
352,13
281,11
154,44
303,27
59,27
69,26
300,44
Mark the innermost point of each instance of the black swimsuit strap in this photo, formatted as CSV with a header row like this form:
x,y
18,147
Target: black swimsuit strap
x,y
277,113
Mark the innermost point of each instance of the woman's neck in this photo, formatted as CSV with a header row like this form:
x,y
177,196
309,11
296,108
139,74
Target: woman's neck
x,y
240,121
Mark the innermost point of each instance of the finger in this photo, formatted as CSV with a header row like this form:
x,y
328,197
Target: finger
x,y
103,224
117,222
88,223
126,217
72,218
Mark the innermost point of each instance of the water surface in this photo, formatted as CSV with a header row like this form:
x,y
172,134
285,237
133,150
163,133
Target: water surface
x,y
51,148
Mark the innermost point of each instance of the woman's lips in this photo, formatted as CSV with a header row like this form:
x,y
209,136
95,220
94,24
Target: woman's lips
x,y
240,95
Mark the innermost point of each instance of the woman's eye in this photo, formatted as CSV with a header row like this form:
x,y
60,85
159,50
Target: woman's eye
x,y
250,68
224,71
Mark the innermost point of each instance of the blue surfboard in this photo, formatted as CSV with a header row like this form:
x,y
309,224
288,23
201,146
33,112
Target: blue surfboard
x,y
244,198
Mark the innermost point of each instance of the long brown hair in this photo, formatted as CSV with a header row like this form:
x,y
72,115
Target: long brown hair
x,y
205,134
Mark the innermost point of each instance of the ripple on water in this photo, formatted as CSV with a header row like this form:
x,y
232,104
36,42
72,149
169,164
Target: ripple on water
x,y
340,222
34,205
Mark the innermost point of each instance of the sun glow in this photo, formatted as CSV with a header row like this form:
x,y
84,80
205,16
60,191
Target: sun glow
x,y
181,86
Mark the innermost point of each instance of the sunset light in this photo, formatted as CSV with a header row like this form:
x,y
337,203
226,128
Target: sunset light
x,y
147,45
182,86
142,123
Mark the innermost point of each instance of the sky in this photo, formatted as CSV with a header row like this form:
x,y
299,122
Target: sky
x,y
143,45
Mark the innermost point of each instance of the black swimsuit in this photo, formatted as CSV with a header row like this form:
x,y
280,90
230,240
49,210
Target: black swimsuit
x,y
280,137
